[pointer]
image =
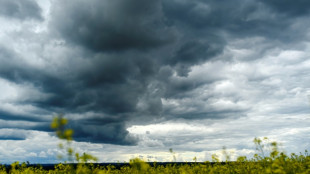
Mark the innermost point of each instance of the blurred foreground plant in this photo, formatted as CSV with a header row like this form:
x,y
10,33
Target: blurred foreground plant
x,y
59,124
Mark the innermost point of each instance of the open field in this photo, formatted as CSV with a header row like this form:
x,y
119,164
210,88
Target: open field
x,y
280,163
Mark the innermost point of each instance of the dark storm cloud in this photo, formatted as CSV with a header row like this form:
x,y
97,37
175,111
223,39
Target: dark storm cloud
x,y
105,85
236,18
12,138
124,82
106,130
20,9
295,8
192,52
145,37
134,53
112,26
6,115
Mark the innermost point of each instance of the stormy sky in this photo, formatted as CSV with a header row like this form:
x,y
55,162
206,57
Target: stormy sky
x,y
137,77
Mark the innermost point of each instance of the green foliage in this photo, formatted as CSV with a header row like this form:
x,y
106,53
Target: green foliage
x,y
139,165
85,158
59,125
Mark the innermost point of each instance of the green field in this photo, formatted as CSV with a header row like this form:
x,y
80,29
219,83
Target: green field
x,y
275,163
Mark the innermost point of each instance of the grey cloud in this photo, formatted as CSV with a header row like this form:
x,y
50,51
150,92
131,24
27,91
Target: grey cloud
x,y
15,69
133,55
7,115
111,84
211,15
97,87
237,19
223,114
20,9
102,131
295,8
12,134
191,53
111,26
12,138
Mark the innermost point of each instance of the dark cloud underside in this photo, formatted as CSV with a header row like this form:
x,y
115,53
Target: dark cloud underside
x,y
291,8
136,53
112,26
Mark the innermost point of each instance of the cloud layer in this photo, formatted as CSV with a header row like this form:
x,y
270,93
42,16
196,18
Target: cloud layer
x,y
112,65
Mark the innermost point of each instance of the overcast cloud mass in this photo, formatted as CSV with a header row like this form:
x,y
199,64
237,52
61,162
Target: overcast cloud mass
x,y
139,77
